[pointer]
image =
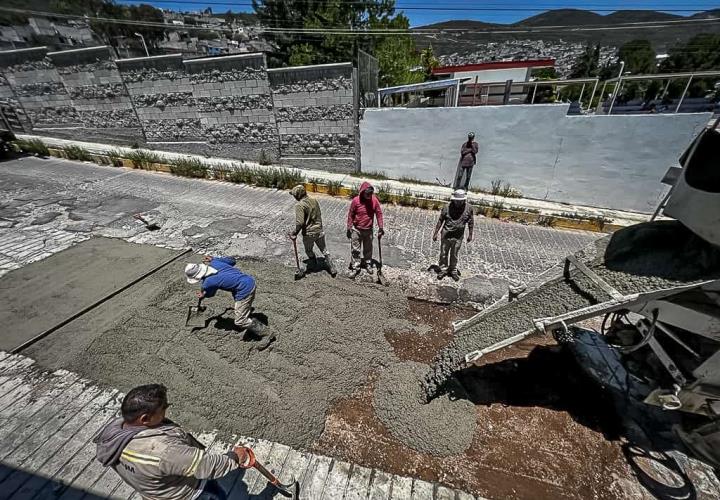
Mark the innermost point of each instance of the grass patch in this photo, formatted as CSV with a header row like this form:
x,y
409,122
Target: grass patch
x,y
495,210
383,193
334,187
33,147
546,221
354,190
278,178
189,167
371,175
77,153
143,159
414,180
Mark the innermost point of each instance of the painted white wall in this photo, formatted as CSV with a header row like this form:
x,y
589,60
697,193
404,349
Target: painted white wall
x,y
603,161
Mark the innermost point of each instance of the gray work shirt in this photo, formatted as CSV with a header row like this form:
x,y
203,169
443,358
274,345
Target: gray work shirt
x,y
455,219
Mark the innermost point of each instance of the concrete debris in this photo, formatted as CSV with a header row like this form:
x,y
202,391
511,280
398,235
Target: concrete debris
x,y
441,427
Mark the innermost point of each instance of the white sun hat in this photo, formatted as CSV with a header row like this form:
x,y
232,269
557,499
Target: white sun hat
x,y
195,272
459,195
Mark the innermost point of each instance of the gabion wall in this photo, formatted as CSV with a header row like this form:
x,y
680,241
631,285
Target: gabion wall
x,y
231,106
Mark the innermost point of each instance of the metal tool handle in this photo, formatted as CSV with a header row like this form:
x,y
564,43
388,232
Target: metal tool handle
x,y
297,258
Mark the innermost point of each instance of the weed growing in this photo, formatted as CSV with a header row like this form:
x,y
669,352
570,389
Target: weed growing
x,y
33,147
77,153
143,159
189,167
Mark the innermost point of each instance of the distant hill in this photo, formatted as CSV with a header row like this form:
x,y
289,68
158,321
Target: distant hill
x,y
661,38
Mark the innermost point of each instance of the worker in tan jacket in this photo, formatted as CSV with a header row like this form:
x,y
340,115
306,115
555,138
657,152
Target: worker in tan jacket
x,y
308,221
159,459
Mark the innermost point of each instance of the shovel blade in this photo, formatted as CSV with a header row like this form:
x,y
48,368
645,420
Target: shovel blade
x,y
195,317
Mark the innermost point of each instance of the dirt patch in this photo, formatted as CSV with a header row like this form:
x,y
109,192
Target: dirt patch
x,y
412,345
543,432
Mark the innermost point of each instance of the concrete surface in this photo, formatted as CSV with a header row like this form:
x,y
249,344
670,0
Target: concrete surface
x,y
40,296
602,161
49,420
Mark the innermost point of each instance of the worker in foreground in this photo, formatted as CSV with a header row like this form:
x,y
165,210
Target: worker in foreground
x,y
220,273
308,221
364,210
453,219
156,457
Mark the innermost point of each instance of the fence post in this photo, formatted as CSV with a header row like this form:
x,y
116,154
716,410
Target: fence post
x,y
592,95
475,88
682,97
618,86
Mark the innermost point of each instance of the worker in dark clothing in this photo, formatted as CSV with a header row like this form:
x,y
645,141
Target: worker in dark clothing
x,y
308,221
453,219
157,458
468,159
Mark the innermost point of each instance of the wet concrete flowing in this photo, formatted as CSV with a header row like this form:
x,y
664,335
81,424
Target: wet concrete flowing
x,y
640,258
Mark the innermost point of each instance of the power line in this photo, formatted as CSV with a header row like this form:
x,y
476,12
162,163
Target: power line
x,y
383,31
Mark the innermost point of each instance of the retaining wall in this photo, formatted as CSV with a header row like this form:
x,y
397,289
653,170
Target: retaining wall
x,y
229,106
603,161
316,114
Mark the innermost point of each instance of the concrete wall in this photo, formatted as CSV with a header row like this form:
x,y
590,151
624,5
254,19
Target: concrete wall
x,y
604,161
315,111
229,106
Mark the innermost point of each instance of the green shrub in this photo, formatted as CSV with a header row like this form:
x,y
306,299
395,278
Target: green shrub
x,y
495,210
77,153
334,187
33,146
383,193
278,178
189,167
354,191
115,157
407,199
546,221
143,159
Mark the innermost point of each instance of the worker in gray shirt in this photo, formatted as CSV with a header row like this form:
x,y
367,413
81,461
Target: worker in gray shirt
x,y
468,158
453,219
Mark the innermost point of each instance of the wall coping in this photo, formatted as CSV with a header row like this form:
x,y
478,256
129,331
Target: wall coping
x,y
26,49
153,58
83,49
311,67
224,58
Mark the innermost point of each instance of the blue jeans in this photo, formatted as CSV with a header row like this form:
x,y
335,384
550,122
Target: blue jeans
x,y
212,491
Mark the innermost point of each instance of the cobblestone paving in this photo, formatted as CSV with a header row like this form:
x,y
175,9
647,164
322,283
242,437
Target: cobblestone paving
x,y
47,205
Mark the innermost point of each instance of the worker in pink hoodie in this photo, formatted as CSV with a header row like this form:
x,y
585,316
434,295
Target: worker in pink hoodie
x,y
364,209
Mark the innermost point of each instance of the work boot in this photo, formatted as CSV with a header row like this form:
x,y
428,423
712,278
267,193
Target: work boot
x,y
330,266
300,272
369,267
441,274
312,264
455,275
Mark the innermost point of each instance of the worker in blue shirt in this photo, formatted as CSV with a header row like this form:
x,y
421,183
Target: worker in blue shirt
x,y
220,273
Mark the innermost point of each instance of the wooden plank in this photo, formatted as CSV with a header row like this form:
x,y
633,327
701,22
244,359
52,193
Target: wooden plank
x,y
401,488
443,493
274,464
246,479
57,443
8,361
359,484
294,469
22,410
315,477
337,480
380,486
3,355
16,436
14,390
19,369
422,490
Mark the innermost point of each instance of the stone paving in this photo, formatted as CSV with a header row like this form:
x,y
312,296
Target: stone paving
x,y
47,205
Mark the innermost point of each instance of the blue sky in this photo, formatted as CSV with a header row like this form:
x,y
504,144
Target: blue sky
x,y
507,12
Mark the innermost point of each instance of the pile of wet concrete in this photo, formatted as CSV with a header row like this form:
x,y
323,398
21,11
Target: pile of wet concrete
x,y
640,258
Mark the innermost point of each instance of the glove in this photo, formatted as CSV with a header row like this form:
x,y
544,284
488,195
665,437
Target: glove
x,y
349,233
245,456
292,235
381,233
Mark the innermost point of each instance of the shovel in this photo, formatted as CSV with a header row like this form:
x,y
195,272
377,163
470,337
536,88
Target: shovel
x,y
299,273
380,278
195,318
289,490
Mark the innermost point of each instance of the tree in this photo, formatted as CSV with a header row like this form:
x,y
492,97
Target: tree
x,y
586,65
318,44
701,53
428,61
639,57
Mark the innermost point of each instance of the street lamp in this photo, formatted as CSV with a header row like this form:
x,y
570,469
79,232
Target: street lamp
x,y
144,45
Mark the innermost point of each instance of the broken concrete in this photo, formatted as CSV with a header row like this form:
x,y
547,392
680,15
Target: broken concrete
x,y
441,427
